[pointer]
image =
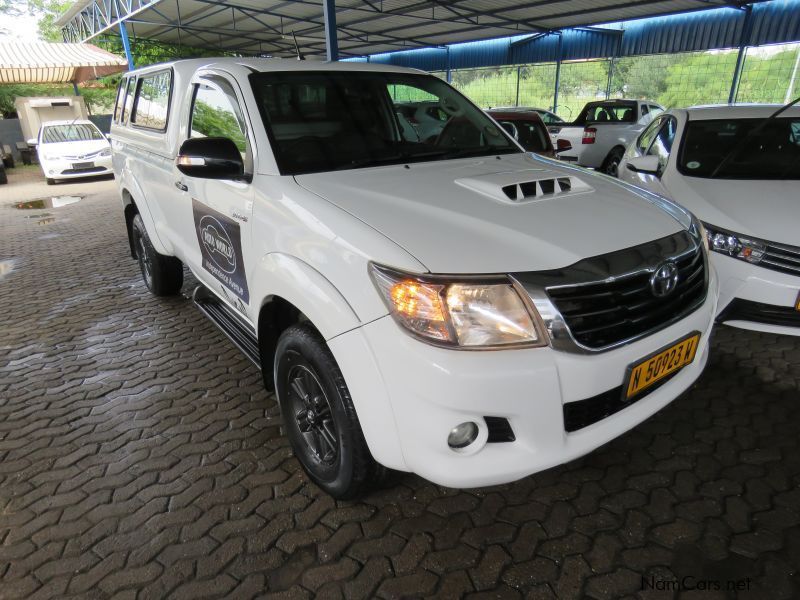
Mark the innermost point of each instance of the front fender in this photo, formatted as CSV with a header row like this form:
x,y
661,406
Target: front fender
x,y
297,282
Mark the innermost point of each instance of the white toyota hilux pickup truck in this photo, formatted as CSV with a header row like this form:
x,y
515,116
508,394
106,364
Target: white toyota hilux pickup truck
x,y
602,132
454,307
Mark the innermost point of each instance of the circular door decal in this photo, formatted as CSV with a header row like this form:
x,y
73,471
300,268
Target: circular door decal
x,y
218,244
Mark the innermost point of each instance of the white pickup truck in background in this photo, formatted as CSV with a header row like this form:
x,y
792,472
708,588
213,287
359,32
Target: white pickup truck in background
x,y
602,131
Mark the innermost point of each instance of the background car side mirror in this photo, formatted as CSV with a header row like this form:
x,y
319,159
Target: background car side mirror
x,y
210,158
648,165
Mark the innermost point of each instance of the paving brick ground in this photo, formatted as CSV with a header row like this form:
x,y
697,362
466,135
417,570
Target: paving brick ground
x,y
140,458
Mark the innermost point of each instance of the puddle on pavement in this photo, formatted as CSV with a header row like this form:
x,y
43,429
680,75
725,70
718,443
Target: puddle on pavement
x,y
51,202
6,266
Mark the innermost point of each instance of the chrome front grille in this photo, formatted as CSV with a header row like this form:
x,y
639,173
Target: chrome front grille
x,y
608,300
783,258
605,313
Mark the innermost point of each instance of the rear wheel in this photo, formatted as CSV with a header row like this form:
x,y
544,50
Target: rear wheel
x,y
163,275
319,416
3,176
611,164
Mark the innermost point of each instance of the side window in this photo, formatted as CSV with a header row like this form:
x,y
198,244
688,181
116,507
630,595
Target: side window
x,y
645,110
126,111
655,110
152,101
216,113
648,135
123,84
662,144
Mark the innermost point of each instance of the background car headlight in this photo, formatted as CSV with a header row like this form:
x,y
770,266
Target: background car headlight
x,y
456,312
735,245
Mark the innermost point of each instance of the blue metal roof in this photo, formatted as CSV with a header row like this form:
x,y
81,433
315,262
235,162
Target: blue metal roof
x,y
777,21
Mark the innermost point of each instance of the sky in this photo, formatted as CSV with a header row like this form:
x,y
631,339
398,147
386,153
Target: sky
x,y
22,27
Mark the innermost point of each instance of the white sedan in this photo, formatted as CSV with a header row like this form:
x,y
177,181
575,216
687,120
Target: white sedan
x,y
69,149
737,169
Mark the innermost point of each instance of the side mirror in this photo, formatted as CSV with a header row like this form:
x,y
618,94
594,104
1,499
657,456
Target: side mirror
x,y
210,158
32,142
644,164
563,146
510,128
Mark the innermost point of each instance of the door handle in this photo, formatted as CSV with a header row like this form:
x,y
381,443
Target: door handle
x,y
181,186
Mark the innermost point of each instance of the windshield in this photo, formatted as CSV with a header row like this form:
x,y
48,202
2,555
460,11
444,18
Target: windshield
x,y
618,112
771,153
331,120
77,132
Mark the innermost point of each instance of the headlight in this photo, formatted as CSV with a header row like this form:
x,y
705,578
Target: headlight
x,y
105,152
735,245
464,313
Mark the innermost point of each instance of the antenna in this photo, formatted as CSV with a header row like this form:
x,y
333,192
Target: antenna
x,y
297,48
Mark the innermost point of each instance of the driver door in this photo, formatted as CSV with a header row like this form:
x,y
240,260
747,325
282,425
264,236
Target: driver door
x,y
219,234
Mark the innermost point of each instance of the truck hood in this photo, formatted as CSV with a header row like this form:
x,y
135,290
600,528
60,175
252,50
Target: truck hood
x,y
769,210
456,216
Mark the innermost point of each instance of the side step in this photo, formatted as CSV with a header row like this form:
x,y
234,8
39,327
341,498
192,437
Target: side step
x,y
239,332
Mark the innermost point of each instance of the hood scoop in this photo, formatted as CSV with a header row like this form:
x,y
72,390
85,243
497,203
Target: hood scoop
x,y
523,186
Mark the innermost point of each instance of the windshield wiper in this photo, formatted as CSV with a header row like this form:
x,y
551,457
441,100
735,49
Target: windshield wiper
x,y
748,136
480,151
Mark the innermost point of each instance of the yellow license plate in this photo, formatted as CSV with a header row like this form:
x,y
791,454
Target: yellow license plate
x,y
660,365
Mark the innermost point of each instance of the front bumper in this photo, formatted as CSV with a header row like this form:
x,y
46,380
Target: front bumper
x,y
752,297
66,169
430,390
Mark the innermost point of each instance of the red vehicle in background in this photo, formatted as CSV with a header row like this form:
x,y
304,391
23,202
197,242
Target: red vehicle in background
x,y
527,128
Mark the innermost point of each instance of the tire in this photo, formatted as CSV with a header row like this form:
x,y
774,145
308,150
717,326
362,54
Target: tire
x,y
319,417
163,275
611,164
8,162
3,176
50,181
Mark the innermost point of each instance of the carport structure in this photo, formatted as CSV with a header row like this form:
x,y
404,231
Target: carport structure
x,y
512,32
343,28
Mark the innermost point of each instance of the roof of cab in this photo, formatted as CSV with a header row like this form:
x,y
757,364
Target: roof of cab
x,y
739,111
190,65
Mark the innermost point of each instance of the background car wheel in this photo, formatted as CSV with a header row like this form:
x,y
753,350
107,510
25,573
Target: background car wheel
x,y
3,176
319,416
163,275
611,165
50,181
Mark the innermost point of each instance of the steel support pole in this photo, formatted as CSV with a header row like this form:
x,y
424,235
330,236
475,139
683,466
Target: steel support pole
x,y
331,41
558,74
126,44
448,74
744,41
516,102
610,76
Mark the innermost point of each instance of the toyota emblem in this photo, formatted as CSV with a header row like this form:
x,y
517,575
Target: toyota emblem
x,y
664,279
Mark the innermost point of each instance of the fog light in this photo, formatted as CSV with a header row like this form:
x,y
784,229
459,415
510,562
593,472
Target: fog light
x,y
462,435
51,172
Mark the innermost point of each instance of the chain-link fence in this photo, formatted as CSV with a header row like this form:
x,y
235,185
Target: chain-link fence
x,y
769,74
